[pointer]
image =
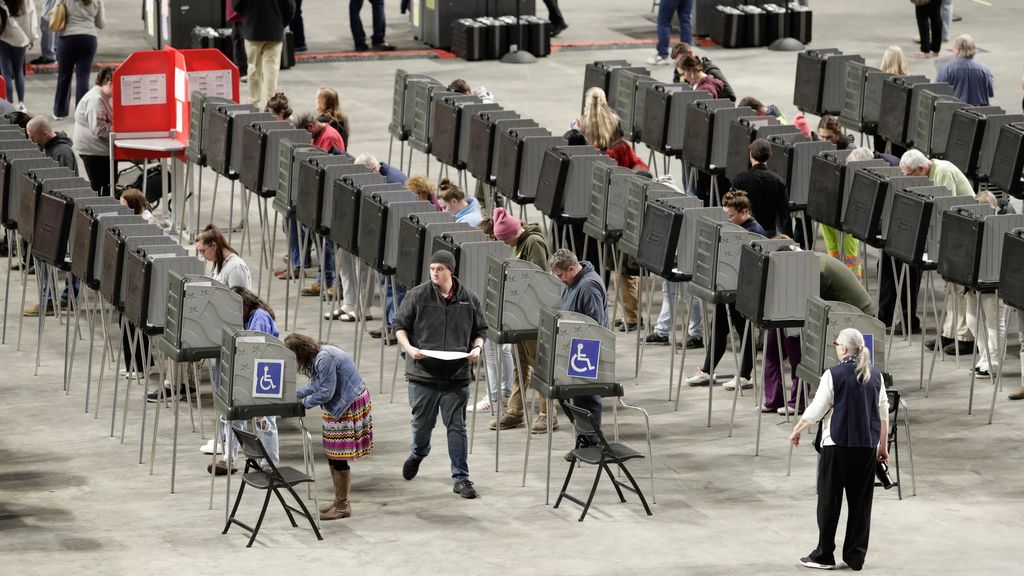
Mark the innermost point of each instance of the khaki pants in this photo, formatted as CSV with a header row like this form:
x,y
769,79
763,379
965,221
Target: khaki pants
x,y
630,295
527,352
992,336
264,64
955,325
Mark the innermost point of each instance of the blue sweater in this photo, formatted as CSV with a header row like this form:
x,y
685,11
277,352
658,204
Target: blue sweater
x,y
587,295
260,321
334,382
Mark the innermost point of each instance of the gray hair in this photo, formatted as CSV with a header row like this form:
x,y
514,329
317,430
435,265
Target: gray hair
x,y
305,120
964,45
913,159
563,260
859,154
369,161
853,341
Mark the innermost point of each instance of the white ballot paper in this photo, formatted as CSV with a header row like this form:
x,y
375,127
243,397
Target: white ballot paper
x,y
444,355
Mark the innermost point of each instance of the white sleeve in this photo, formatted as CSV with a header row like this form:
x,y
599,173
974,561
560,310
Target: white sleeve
x,y
823,399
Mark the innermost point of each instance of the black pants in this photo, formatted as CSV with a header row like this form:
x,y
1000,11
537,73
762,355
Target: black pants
x,y
238,49
722,334
297,27
554,13
887,292
97,168
356,23
134,365
74,56
851,470
929,25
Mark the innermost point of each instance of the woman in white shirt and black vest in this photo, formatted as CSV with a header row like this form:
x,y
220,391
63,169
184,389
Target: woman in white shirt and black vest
x,y
852,401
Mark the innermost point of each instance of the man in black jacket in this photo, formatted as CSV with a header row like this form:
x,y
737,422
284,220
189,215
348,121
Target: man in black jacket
x,y
56,145
263,23
440,316
767,192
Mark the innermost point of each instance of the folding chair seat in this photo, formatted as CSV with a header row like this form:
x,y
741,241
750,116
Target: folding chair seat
x,y
272,479
601,455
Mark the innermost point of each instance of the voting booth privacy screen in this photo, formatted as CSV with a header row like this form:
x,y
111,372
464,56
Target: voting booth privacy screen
x,y
257,377
824,320
575,356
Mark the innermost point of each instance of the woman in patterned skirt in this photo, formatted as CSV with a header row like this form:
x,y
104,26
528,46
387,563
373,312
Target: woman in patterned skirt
x,y
336,386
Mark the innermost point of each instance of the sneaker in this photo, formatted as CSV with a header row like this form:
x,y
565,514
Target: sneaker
x,y
508,421
966,348
221,469
58,118
124,372
465,489
243,78
692,343
769,409
21,107
375,333
982,374
788,410
701,378
659,60
746,384
411,467
208,447
806,561
540,425
655,338
168,395
481,406
1018,395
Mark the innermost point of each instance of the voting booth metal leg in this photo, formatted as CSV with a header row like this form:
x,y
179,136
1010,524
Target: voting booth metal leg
x,y
134,346
199,401
25,262
117,374
176,381
736,392
9,236
217,441
198,187
302,277
673,306
714,366
937,351
144,380
898,312
547,481
997,385
292,237
103,353
161,366
323,290
524,389
956,314
92,340
639,320
394,372
475,400
47,282
683,286
67,336
500,412
979,321
782,372
231,213
272,236
764,372
213,203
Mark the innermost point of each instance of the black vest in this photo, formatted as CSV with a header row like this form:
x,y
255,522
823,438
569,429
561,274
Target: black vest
x,y
855,419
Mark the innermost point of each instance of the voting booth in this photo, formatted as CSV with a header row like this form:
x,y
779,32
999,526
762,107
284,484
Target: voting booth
x,y
607,203
665,116
15,169
825,195
575,357
1008,159
742,133
855,97
716,261
472,254
628,86
700,131
101,224
449,115
933,114
30,187
432,232
970,249
251,168
565,181
660,240
84,237
825,319
867,210
146,293
780,161
1011,273
317,191
910,220
923,96
419,101
219,133
966,128
293,155
52,229
198,310
821,80
373,224
776,282
411,236
114,243
519,154
989,140
895,107
516,292
598,75
198,125
257,377
641,191
400,126
343,211
796,161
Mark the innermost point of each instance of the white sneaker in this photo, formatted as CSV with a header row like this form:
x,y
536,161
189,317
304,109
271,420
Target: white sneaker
x,y
731,384
481,406
208,447
21,107
701,378
658,60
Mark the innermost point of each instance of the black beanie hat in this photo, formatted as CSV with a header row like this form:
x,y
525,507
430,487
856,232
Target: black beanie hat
x,y
444,257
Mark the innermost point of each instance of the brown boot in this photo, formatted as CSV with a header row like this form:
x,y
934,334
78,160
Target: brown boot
x,y
342,508
335,481
1018,395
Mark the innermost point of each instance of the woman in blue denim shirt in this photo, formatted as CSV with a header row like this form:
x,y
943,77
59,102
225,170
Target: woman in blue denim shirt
x,y
336,386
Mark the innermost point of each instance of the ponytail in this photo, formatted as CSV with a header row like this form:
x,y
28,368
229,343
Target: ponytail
x,y
853,341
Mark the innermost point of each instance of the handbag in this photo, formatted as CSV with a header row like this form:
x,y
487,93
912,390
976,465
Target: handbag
x,y
59,17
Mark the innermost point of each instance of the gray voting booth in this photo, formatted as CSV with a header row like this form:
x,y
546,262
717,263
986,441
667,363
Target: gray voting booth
x,y
774,283
824,321
641,191
146,294
516,292
410,244
607,203
566,180
257,377
218,136
198,310
716,261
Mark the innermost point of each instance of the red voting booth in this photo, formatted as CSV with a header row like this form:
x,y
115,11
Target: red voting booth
x,y
151,105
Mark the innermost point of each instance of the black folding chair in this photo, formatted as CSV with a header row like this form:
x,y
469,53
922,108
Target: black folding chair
x,y
600,455
270,478
895,401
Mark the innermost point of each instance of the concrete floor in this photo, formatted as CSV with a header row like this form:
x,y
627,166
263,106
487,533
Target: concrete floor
x,y
75,501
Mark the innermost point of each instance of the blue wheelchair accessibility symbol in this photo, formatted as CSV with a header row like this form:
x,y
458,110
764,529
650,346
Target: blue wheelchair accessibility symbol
x,y
583,358
268,379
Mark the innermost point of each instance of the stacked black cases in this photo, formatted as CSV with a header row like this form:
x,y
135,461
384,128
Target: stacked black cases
x,y
469,39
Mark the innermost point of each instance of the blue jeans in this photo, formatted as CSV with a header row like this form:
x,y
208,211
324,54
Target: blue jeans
x,y
356,23
667,9
326,261
48,39
12,61
43,273
425,402
295,235
389,303
696,327
947,18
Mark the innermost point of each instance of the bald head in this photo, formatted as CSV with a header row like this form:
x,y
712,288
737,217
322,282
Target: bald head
x,y
39,130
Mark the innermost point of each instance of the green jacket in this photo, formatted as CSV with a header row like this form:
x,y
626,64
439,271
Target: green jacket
x,y
532,247
839,283
945,173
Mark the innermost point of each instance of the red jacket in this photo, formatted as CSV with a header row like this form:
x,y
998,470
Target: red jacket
x,y
624,156
328,139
